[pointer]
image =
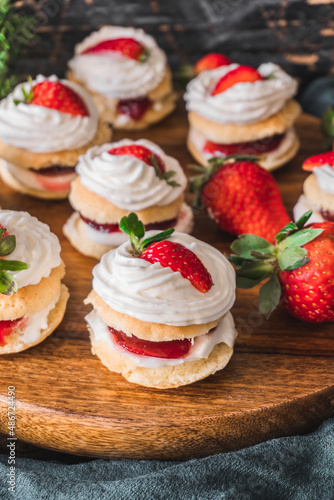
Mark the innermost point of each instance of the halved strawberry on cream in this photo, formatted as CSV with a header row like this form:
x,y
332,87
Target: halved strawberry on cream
x,y
161,308
127,75
44,126
117,178
237,109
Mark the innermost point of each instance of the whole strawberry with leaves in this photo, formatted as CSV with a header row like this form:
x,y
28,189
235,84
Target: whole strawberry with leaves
x,y
299,269
240,196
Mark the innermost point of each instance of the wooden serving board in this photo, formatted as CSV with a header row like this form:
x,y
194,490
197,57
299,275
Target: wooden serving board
x,y
280,380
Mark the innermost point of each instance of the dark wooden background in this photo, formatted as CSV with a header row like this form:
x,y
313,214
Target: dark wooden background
x,y
297,34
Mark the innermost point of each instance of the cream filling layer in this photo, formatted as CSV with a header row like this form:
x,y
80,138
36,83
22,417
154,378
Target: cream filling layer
x,y
325,178
76,227
37,181
269,159
201,348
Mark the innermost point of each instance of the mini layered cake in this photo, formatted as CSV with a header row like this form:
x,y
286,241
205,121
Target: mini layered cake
x,y
44,126
240,110
127,75
318,189
34,301
117,178
161,308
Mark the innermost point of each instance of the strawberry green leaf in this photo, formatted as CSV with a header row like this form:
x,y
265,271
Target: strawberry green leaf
x,y
270,295
249,242
300,238
131,224
255,270
236,259
164,176
158,237
12,265
8,284
246,283
2,230
304,218
7,245
236,157
285,232
292,258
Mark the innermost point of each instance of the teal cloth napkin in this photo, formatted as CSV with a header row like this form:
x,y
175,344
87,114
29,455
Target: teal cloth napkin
x,y
298,468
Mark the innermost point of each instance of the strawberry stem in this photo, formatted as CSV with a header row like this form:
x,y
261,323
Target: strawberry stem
x,y
164,176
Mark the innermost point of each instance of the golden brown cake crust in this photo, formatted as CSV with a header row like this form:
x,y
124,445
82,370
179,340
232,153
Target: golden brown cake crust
x,y
32,298
68,158
231,133
163,94
16,343
96,208
317,196
155,332
82,244
161,378
280,161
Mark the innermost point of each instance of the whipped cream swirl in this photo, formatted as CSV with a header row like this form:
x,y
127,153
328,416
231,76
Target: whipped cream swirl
x,y
35,245
244,103
45,130
150,292
113,74
126,181
325,178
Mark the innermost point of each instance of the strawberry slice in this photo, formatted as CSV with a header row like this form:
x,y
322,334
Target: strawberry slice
x,y
56,95
142,153
127,47
247,148
8,327
319,161
211,61
241,74
172,349
180,259
134,108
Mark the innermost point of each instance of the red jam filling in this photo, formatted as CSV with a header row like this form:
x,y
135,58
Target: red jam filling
x,y
114,228
7,327
329,216
55,170
172,349
134,108
250,148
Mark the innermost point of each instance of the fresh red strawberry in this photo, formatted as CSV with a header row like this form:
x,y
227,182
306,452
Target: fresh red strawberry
x,y
141,152
56,95
300,268
241,74
169,254
128,47
319,161
8,327
241,197
172,349
182,260
211,61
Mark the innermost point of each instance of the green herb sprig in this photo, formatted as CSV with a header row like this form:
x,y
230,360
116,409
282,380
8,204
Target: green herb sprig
x,y
8,284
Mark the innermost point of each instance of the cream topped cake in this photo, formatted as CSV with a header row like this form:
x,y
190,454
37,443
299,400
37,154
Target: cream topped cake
x,y
127,75
45,124
318,189
236,109
35,300
118,178
161,308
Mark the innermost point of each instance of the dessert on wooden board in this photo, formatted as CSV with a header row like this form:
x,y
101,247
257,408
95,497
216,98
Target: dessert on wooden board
x,y
240,196
161,308
235,109
117,178
45,125
127,75
318,189
32,298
